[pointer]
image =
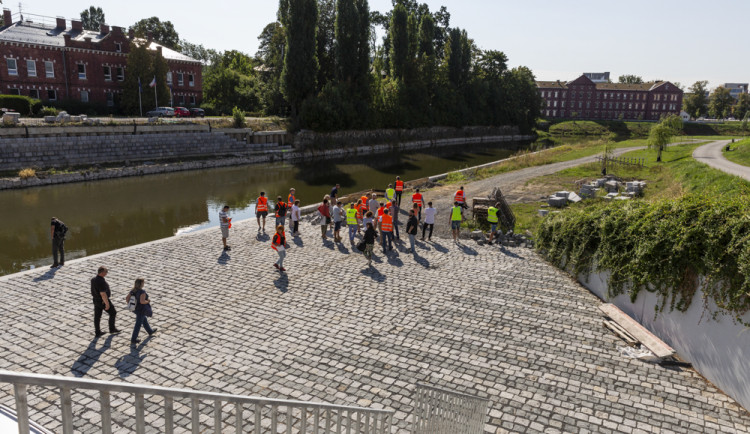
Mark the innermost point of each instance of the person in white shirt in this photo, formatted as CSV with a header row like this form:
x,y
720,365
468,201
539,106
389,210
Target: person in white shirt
x,y
373,204
429,220
338,221
224,225
296,215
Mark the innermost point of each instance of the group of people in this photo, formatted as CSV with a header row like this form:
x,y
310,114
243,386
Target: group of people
x,y
375,220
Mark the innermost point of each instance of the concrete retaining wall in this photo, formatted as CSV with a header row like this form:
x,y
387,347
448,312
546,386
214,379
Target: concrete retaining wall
x,y
718,349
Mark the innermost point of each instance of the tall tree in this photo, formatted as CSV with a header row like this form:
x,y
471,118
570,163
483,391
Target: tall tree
x,y
427,36
720,103
271,56
139,67
160,68
206,56
742,107
347,40
300,59
492,64
658,138
327,18
696,102
163,32
92,17
630,79
458,54
398,33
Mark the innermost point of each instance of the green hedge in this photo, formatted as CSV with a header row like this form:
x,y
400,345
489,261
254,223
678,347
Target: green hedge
x,y
666,247
20,104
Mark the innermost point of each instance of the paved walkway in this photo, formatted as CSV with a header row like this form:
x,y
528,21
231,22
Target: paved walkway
x,y
711,154
501,324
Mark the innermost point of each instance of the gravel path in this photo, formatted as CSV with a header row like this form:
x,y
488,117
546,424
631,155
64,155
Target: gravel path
x,y
711,154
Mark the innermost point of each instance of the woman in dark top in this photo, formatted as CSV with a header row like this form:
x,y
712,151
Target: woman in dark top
x,y
140,310
369,238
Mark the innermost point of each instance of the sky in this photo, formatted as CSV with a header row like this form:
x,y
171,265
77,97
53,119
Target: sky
x,y
681,41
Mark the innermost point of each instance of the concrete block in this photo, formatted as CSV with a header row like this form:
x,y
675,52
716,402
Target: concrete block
x,y
11,118
543,212
557,202
574,197
562,194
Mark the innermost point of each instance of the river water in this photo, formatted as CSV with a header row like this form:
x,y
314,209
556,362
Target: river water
x,y
107,215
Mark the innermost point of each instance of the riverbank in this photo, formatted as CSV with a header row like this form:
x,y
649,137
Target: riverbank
x,y
249,154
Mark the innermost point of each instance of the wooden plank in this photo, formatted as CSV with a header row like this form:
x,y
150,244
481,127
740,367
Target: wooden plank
x,y
624,336
645,337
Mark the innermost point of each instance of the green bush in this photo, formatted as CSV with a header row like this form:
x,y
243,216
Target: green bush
x,y
48,111
18,103
208,109
667,247
238,118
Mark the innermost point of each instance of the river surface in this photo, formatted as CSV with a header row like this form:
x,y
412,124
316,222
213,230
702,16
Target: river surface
x,y
110,214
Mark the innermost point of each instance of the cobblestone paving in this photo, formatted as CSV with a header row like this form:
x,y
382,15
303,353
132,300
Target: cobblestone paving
x,y
498,323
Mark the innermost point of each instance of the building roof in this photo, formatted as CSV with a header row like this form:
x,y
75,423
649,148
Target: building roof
x,y
651,85
40,34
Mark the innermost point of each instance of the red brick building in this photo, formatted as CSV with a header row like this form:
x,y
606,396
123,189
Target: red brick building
x,y
60,62
584,99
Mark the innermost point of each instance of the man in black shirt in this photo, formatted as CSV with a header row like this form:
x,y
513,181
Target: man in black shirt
x,y
102,302
411,229
57,233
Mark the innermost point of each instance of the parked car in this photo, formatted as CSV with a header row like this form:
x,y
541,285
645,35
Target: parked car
x,y
181,112
197,112
160,112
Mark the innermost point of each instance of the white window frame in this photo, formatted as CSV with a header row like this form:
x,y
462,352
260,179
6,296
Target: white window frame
x,y
31,67
120,71
14,69
53,93
110,99
37,93
118,47
81,75
191,80
192,100
180,79
84,96
107,73
49,69
14,91
169,77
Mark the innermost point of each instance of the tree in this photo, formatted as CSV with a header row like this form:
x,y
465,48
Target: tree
x,y
206,56
92,18
327,19
696,102
492,64
160,68
458,54
630,79
720,103
426,36
661,134
271,57
742,107
162,32
300,60
398,33
139,67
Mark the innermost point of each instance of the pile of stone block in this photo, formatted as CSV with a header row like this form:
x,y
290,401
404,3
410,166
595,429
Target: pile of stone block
x,y
561,199
635,188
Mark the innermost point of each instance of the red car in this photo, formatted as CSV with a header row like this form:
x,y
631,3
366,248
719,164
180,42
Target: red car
x,y
181,112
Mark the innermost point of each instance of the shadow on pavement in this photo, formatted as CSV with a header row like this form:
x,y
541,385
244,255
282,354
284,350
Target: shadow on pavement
x,y
421,260
128,363
47,276
393,259
224,258
507,252
282,283
342,248
439,247
373,274
298,241
90,356
262,236
467,250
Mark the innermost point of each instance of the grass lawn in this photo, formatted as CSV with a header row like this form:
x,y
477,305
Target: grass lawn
x,y
740,152
678,173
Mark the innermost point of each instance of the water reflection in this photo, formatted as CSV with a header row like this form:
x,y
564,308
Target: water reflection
x,y
108,215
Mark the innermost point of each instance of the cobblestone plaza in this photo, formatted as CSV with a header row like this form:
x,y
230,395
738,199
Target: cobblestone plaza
x,y
496,323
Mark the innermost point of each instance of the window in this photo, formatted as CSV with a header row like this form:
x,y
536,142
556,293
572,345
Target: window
x,y
118,47
191,77
169,78
181,99
107,73
81,71
84,96
49,69
13,91
12,67
554,104
192,101
31,68
542,94
52,95
120,74
110,99
191,81
179,79
34,93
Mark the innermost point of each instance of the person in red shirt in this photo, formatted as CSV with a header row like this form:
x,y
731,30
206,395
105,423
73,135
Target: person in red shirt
x,y
325,214
261,209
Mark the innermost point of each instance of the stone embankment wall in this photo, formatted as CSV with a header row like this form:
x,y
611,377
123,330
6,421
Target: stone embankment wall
x,y
718,348
222,149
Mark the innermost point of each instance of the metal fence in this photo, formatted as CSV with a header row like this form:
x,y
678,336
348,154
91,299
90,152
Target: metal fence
x,y
245,413
439,411
623,161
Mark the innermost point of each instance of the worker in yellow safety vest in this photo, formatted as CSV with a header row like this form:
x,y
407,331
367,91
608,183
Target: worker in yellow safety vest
x,y
352,222
492,220
456,219
390,193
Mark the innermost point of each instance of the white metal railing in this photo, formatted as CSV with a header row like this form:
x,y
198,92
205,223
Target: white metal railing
x,y
439,411
269,415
